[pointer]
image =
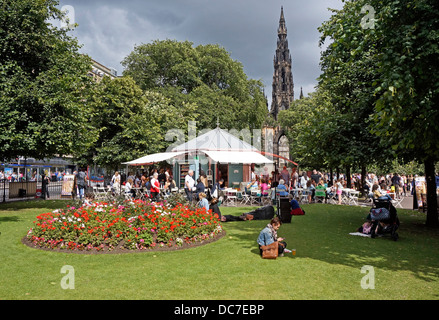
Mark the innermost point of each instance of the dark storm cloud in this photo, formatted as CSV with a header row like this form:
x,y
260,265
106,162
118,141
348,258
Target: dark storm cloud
x,y
247,29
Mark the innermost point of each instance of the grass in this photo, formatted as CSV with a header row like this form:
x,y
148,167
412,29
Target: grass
x,y
327,264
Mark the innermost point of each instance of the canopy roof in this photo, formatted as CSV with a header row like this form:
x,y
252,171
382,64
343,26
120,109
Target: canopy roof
x,y
217,144
237,157
153,158
216,140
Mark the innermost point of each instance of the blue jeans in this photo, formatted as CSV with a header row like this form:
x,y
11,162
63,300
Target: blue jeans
x,y
81,191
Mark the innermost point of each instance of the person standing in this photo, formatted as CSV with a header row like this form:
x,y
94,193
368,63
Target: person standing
x,y
155,186
81,181
115,180
294,178
396,182
46,186
285,175
316,176
189,184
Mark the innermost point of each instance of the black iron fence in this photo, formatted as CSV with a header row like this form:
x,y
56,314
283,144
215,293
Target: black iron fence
x,y
27,190
49,189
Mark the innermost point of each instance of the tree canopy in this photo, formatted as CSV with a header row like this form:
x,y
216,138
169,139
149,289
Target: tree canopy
x,y
43,84
381,71
205,76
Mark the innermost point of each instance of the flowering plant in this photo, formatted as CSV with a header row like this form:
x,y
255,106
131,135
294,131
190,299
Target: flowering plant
x,y
134,224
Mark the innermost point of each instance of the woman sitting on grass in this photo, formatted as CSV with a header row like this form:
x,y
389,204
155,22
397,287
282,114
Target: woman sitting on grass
x,y
268,235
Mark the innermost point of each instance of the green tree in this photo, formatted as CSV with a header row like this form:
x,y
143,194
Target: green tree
x,y
349,68
399,39
43,84
131,122
204,76
407,111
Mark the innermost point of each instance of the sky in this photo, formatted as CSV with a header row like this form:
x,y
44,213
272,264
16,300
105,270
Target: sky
x,y
109,30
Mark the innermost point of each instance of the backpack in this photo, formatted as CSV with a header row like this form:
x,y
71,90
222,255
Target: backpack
x,y
80,179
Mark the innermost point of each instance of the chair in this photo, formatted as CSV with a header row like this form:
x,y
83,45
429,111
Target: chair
x,y
353,197
230,197
175,190
304,196
266,199
320,194
345,196
128,195
141,194
255,197
397,202
295,193
99,193
243,197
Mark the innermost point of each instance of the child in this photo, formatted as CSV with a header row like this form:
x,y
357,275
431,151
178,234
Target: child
x,y
89,197
203,203
366,228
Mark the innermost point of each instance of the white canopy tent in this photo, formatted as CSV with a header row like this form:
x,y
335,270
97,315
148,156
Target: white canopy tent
x,y
215,140
218,146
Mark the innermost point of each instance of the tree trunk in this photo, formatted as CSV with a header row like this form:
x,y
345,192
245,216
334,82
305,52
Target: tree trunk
x,y
331,177
363,180
432,215
348,177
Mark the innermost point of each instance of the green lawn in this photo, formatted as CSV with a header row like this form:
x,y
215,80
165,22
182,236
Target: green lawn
x,y
327,265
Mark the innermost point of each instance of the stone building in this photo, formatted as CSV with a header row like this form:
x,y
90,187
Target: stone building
x,y
274,138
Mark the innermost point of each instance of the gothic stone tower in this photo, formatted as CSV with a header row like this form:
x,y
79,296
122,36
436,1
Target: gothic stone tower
x,y
283,86
274,138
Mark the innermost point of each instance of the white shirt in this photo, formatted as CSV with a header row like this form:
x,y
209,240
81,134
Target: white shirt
x,y
189,182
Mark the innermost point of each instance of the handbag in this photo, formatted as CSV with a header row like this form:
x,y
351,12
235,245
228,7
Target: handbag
x,y
270,251
379,214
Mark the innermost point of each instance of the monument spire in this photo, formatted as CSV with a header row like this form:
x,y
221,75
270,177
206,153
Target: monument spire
x,y
283,86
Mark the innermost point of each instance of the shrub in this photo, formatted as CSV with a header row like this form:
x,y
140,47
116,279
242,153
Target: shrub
x,y
132,225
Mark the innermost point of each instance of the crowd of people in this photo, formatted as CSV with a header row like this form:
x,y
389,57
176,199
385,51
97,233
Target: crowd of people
x,y
285,181
152,182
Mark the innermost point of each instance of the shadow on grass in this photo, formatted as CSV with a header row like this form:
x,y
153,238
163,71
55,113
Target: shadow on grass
x,y
323,234
9,219
32,204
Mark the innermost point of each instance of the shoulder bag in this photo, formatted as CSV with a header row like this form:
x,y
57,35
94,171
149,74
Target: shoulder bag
x,y
270,251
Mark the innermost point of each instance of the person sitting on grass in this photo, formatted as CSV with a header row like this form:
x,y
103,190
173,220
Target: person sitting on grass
x,y
296,210
268,235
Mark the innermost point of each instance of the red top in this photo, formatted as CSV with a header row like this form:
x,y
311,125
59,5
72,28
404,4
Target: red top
x,y
155,185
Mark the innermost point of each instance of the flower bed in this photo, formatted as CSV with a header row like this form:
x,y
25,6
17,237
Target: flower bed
x,y
132,225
